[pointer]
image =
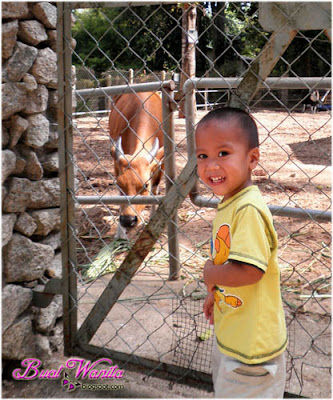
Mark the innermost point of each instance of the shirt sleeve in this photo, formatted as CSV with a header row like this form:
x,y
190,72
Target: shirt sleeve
x,y
251,239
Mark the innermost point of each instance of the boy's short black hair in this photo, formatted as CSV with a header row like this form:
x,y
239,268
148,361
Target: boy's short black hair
x,y
245,120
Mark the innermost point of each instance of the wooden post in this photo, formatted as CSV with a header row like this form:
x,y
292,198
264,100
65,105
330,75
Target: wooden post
x,y
206,93
130,76
108,83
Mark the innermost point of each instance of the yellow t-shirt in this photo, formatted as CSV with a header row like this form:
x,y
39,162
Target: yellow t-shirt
x,y
249,320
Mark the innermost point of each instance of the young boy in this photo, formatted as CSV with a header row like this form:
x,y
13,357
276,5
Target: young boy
x,y
243,278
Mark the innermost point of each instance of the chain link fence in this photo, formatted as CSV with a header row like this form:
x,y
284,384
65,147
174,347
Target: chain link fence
x,y
140,301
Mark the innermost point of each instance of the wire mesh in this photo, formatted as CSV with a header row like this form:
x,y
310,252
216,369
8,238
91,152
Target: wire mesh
x,y
193,337
161,320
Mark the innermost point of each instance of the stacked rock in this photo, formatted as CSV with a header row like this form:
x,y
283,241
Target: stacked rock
x,y
30,178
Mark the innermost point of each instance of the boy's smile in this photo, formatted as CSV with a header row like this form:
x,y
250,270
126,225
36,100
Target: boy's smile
x,y
224,159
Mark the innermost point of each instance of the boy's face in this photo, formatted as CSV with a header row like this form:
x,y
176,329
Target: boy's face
x,y
224,159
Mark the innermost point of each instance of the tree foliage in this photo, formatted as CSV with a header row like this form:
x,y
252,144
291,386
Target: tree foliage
x,y
149,37
128,38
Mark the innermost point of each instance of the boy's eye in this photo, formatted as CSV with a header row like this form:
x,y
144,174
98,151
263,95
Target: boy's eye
x,y
202,156
223,153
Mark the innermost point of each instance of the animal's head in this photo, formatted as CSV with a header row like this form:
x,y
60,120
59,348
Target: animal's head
x,y
135,175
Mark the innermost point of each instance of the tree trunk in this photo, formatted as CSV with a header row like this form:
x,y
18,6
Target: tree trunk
x,y
218,38
188,50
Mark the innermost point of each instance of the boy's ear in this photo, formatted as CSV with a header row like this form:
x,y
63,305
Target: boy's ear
x,y
254,157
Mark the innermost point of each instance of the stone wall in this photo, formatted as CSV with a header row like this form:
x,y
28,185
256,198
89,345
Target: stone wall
x,y
30,179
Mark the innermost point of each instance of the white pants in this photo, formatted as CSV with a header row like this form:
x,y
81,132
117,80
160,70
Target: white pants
x,y
234,379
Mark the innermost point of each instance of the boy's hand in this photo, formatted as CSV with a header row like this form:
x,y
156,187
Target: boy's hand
x,y
208,307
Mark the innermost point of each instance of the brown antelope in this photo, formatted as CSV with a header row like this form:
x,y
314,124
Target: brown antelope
x,y
135,125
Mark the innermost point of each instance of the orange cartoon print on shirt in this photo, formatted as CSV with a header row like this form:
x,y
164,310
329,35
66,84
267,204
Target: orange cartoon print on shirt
x,y
222,244
229,299
222,247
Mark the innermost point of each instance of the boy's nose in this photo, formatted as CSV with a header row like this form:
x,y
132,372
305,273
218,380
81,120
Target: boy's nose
x,y
213,165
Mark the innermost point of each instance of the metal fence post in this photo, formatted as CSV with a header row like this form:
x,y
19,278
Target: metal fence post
x,y
66,172
168,107
190,114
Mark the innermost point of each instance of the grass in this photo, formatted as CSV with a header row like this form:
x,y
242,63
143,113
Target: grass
x,y
106,261
110,257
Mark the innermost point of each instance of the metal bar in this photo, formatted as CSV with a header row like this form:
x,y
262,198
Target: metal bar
x,y
90,352
301,213
83,113
272,83
109,4
138,252
120,89
66,172
201,201
168,108
119,199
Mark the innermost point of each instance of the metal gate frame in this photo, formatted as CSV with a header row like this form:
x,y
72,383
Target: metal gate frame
x,y
77,341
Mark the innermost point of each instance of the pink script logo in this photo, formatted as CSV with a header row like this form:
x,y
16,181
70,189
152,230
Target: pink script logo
x,y
82,371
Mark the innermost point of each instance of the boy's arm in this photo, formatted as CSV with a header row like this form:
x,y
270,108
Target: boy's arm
x,y
231,273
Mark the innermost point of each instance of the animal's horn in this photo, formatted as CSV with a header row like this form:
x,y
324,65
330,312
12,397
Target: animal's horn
x,y
119,149
153,151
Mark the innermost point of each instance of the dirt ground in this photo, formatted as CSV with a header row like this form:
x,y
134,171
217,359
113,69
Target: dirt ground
x,y
161,320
